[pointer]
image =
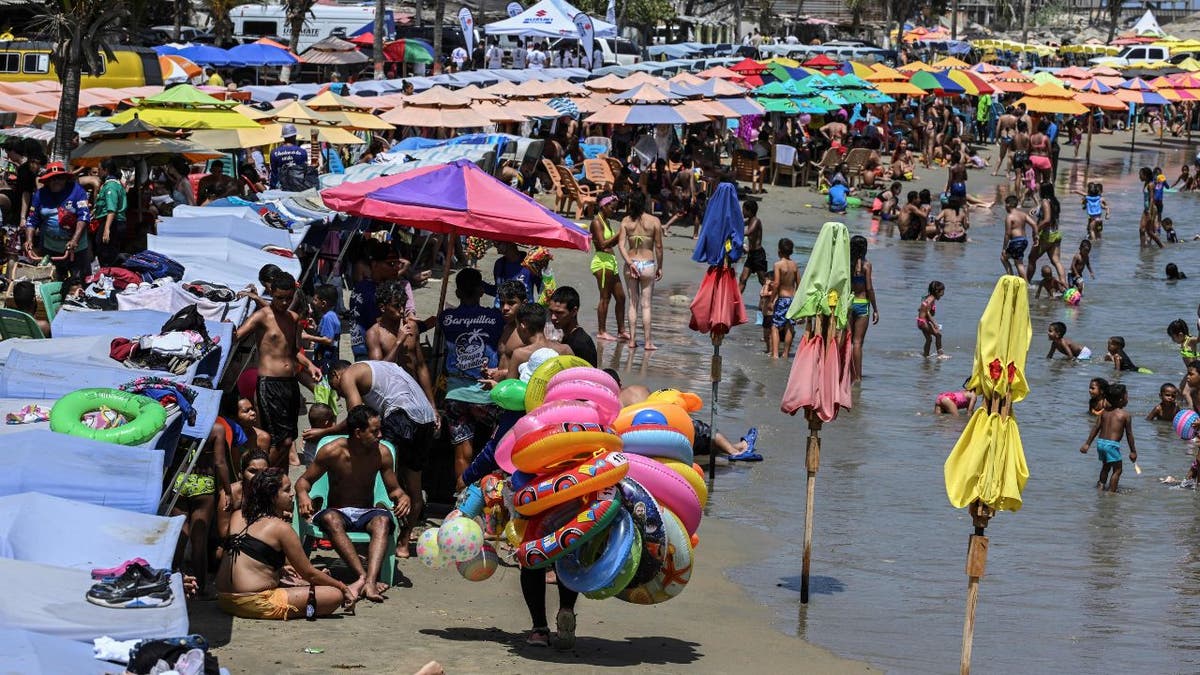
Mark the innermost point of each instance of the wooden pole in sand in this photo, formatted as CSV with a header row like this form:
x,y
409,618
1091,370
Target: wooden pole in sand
x,y
715,374
977,547
1132,125
438,361
812,461
1087,157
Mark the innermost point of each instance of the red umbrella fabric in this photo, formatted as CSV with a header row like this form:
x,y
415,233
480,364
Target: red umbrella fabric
x,y
458,198
718,305
820,62
747,67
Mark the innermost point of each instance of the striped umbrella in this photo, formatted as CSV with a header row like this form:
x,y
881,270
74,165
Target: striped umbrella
x,y
1093,87
972,84
564,106
176,68
936,81
1140,92
1011,82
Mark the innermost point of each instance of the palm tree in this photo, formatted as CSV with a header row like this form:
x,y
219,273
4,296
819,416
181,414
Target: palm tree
x,y
380,15
439,16
1114,16
79,31
295,11
218,12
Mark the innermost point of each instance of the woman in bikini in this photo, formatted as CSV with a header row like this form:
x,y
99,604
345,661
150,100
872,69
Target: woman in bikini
x,y
253,463
953,221
641,246
1039,152
863,310
1049,236
248,581
604,268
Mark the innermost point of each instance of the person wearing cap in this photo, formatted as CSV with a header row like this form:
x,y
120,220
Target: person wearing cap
x,y
287,155
61,216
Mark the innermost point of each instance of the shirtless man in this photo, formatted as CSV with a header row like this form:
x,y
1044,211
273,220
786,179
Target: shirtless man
x,y
1020,149
911,218
1006,127
280,360
784,279
835,133
392,337
756,256
513,295
531,327
408,423
1015,239
352,464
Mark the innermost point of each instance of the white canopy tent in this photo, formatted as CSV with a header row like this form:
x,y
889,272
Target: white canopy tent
x,y
1148,25
548,19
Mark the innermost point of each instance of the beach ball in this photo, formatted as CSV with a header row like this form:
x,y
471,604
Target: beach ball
x,y
481,567
460,539
1184,421
428,552
1072,296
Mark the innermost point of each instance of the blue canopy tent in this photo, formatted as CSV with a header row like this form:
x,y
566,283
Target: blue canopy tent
x,y
258,54
207,55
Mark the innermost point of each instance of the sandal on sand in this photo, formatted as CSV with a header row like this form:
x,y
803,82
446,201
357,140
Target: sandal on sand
x,y
564,639
748,455
539,637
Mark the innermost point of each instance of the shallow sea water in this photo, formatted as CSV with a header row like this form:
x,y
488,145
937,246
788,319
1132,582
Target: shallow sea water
x,y
1076,581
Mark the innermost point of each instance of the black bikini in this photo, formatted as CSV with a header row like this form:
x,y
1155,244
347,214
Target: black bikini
x,y
256,548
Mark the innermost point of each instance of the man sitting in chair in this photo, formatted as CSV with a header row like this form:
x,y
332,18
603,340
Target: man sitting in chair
x,y
352,464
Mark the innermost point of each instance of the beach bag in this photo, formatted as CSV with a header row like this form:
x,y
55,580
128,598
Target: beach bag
x,y
152,265
298,178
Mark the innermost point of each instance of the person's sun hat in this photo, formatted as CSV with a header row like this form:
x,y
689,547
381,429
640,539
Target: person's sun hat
x,y
288,131
54,170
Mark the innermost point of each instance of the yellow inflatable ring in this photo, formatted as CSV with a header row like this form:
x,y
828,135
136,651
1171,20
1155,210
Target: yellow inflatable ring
x,y
535,389
146,416
554,444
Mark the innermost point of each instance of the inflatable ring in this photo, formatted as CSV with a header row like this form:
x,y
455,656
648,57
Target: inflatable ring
x,y
146,416
661,413
503,454
676,570
605,401
671,490
658,440
603,470
556,443
509,395
690,474
535,389
557,412
564,530
684,399
626,573
649,519
597,565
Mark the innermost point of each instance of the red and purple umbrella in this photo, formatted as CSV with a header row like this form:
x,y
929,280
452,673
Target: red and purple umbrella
x,y
457,198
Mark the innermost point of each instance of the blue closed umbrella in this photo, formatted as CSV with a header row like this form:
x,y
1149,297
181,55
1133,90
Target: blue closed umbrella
x,y
722,222
207,55
256,54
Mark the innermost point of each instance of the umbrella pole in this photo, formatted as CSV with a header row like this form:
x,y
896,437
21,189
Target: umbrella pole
x,y
1132,125
715,374
977,548
812,459
1087,158
437,331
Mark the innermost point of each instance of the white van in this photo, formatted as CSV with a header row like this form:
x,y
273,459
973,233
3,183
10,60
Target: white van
x,y
1133,55
614,52
251,22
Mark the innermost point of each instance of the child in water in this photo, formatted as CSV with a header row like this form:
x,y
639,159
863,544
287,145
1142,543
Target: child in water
x,y
1096,208
1049,283
1116,354
1113,425
1096,389
1177,330
1173,272
1168,404
1082,261
1056,332
925,323
1169,233
950,402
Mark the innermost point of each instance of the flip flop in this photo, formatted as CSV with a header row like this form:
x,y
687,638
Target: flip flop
x,y
751,438
746,456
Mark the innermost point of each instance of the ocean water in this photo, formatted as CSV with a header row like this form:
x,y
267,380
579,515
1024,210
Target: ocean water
x,y
1076,580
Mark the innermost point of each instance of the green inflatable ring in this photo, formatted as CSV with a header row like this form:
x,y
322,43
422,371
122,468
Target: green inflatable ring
x,y
854,202
146,416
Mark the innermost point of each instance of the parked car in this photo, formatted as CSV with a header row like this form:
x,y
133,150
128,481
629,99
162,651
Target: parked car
x,y
1134,55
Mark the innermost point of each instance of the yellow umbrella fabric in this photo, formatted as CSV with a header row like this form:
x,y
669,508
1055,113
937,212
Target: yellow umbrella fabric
x,y
951,63
899,88
988,461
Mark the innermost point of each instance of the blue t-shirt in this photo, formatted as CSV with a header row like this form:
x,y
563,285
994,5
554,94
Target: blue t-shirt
x,y
283,156
837,196
504,271
472,340
56,215
330,327
1052,131
364,310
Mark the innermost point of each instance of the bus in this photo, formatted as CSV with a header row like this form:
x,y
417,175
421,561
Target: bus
x,y
251,22
29,61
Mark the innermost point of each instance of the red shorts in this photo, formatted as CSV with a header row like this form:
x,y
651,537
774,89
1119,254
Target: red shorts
x,y
1040,162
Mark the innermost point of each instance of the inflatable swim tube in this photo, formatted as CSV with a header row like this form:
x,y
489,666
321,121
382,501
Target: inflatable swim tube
x,y
535,389
564,530
567,387
591,475
671,490
146,416
597,565
690,474
676,570
648,517
661,413
556,443
557,412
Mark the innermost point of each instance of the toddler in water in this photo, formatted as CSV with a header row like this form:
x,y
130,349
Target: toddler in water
x,y
1168,403
950,402
1096,389
1049,283
925,323
1116,354
1056,332
1113,425
1082,261
1097,209
1169,233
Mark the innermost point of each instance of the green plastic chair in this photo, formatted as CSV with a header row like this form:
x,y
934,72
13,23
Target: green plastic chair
x,y
51,292
309,532
17,324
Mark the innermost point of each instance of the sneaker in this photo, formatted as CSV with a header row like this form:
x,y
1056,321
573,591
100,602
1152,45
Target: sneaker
x,y
564,638
119,599
136,574
114,572
538,637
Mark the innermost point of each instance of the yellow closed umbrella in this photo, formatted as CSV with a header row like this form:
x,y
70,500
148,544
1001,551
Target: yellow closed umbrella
x,y
986,470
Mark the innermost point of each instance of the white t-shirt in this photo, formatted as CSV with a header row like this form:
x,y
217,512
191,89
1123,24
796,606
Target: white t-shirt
x,y
518,55
495,57
537,59
459,55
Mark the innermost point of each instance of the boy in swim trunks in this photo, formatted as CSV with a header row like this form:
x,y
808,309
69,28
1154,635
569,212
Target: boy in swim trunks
x,y
1168,403
1012,253
280,359
1053,286
785,277
1082,261
756,255
1059,343
1113,424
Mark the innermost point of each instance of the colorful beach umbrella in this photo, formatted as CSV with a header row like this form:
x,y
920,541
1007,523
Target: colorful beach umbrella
x,y
408,50
258,55
136,138
1138,91
950,63
916,66
972,84
617,113
176,68
1050,98
747,67
986,469
936,82
207,55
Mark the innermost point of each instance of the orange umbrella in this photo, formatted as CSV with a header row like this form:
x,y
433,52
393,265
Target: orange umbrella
x,y
176,68
1050,98
721,72
1011,82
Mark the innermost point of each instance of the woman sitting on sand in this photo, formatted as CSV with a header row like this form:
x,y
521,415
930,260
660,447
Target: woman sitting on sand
x,y
248,581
